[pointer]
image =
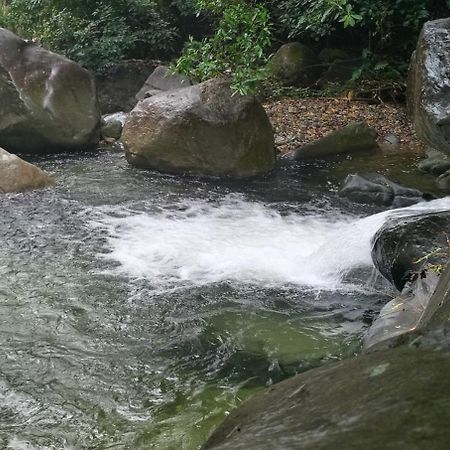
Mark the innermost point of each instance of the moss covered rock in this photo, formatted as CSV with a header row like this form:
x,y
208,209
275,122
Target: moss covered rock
x,y
356,136
203,130
295,64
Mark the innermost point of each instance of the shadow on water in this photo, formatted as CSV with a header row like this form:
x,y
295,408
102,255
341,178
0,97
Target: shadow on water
x,y
137,309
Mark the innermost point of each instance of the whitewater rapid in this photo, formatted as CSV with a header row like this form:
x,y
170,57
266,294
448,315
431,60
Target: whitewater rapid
x,y
237,240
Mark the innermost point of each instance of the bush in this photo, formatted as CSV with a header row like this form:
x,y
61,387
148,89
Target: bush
x,y
95,34
237,48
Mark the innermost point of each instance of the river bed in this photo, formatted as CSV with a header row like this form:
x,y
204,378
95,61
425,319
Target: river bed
x,y
138,309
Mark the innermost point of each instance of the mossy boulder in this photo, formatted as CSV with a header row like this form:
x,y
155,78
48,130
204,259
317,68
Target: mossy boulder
x,y
16,175
203,130
398,399
48,102
356,136
295,64
428,90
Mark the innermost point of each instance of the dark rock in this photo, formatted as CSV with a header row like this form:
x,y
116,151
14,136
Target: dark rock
x,y
356,136
295,64
162,80
329,55
397,399
443,180
16,175
435,165
48,102
378,190
401,244
112,125
428,91
340,71
202,129
118,87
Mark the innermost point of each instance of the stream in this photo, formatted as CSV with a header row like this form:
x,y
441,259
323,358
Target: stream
x,y
138,309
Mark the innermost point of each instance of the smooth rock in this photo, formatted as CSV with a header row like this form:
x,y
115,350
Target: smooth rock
x,y
16,175
356,136
295,64
204,130
394,399
435,165
402,244
162,80
378,190
49,103
112,125
428,90
443,180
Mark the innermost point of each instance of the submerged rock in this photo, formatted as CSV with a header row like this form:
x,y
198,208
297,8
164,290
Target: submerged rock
x,y
397,398
16,175
428,91
356,136
47,101
435,165
162,80
295,64
112,125
203,130
378,190
401,246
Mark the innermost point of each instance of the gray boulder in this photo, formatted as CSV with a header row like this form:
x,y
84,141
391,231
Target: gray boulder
x,y
378,190
356,136
162,80
203,130
295,64
428,91
16,175
404,246
48,102
112,125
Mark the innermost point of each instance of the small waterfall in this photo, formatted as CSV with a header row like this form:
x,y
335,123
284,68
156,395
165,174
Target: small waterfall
x,y
202,242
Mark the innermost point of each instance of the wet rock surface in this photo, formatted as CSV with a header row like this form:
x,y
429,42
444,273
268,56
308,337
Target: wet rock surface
x,y
392,399
429,85
356,136
203,130
112,125
16,175
48,101
378,190
401,244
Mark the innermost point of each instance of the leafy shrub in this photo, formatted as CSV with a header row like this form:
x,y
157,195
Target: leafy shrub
x,y
95,34
238,47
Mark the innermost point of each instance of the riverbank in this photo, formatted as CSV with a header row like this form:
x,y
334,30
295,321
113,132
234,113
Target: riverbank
x,y
299,121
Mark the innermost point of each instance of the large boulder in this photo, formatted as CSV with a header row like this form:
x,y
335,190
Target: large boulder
x,y
48,102
429,85
374,188
203,130
16,175
356,136
295,64
162,80
404,246
395,399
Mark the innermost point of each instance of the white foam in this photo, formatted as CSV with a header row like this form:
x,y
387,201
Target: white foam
x,y
237,240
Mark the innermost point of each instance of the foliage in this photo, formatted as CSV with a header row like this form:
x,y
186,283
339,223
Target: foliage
x,y
238,47
95,34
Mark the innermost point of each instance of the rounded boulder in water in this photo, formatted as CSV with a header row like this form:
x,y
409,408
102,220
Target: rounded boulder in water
x,y
49,103
204,129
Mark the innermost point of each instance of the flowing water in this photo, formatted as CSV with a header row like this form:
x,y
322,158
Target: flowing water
x,y
137,309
